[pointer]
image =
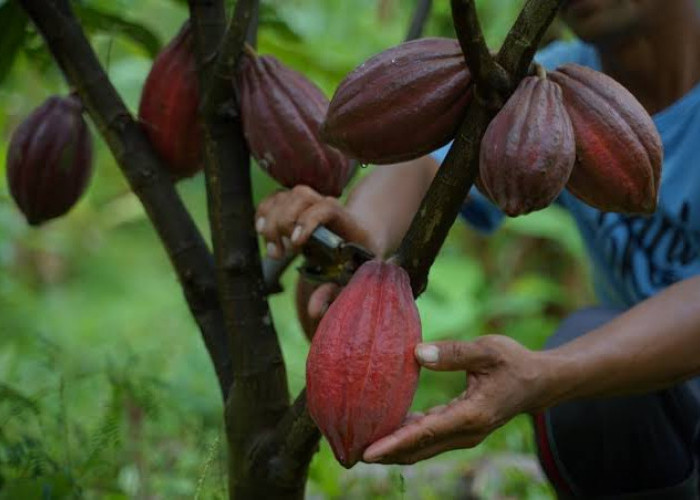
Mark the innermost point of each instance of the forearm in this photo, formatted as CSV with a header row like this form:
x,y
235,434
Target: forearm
x,y
385,201
651,346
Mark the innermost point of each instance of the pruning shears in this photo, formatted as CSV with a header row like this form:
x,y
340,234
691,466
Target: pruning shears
x,y
329,258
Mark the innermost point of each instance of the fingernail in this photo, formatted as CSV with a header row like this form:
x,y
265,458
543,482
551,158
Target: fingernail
x,y
370,456
272,250
260,224
286,243
427,353
296,233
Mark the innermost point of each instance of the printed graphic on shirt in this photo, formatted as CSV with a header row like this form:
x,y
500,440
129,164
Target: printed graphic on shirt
x,y
647,254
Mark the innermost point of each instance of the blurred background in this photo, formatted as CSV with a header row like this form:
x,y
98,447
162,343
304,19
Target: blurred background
x,y
106,390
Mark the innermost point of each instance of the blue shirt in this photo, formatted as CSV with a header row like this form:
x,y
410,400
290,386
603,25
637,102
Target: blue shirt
x,y
633,257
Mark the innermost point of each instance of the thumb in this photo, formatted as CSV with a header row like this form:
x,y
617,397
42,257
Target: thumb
x,y
455,356
320,299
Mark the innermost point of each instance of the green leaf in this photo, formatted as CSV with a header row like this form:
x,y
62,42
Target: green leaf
x,y
96,19
270,19
11,395
55,486
13,24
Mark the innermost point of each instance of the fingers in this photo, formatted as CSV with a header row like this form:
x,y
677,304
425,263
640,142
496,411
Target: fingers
x,y
442,423
412,417
453,443
443,428
276,218
453,356
323,211
287,218
321,299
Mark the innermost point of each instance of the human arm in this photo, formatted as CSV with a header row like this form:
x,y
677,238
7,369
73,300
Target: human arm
x,y
377,213
653,345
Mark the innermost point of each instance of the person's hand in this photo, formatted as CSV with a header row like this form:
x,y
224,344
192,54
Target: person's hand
x,y
287,218
504,379
312,301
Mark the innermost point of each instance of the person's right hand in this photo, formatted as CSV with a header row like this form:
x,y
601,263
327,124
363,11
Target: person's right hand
x,y
286,219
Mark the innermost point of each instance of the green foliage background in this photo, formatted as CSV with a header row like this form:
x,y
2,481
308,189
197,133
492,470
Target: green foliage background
x,y
106,390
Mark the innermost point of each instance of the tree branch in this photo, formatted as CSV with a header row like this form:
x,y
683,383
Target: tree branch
x,y
524,37
218,87
288,451
259,395
420,17
184,244
455,178
480,62
253,25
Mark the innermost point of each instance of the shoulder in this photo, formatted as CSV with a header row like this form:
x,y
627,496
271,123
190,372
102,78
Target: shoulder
x,y
558,53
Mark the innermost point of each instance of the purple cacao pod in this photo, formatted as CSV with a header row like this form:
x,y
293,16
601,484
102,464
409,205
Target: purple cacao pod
x,y
528,150
400,104
619,153
49,161
282,113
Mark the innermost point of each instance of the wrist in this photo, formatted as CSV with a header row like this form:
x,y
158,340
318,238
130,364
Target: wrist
x,y
559,377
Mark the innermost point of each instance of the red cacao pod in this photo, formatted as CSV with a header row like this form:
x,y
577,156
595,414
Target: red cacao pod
x,y
361,373
169,104
49,160
618,149
528,150
282,112
400,104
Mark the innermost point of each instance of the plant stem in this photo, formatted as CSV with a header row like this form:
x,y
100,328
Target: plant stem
x,y
259,396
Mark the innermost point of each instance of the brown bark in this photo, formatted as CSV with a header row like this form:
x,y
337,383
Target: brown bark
x,y
259,396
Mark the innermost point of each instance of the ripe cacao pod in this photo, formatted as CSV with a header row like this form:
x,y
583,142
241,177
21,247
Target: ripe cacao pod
x,y
169,104
528,150
282,113
618,149
400,104
49,160
361,373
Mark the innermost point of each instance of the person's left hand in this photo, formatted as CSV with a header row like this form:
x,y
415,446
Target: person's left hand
x,y
504,379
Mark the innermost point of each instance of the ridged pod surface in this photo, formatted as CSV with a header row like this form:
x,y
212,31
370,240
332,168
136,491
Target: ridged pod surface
x,y
400,104
49,159
528,150
169,103
618,149
282,113
361,373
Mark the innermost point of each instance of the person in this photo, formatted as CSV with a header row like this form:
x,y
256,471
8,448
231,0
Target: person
x,y
615,396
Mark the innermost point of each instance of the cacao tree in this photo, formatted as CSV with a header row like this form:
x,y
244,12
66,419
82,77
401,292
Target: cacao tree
x,y
270,437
